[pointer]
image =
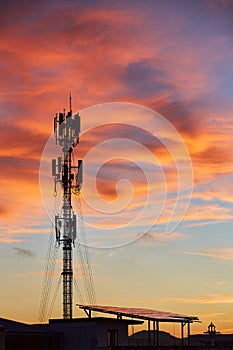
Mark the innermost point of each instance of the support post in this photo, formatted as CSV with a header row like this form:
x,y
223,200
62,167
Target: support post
x,y
149,332
182,333
188,325
154,334
157,331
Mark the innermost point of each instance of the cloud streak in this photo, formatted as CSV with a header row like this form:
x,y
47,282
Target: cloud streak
x,y
221,298
216,253
23,252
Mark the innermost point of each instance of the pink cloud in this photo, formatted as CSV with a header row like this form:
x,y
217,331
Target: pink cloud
x,y
103,54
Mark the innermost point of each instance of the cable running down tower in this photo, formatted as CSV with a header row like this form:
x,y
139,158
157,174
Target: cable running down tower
x,y
69,176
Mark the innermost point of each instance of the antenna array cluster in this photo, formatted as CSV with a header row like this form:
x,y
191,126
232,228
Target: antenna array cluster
x,y
69,176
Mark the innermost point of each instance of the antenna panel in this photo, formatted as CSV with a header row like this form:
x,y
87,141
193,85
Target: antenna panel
x,y
53,167
80,173
77,124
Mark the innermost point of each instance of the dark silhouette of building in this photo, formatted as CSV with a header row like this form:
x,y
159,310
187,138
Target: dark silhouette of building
x,y
19,336
98,333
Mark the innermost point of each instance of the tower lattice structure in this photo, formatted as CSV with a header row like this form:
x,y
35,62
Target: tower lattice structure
x,y
69,176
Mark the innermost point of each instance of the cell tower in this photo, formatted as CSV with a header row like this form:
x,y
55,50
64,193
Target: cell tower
x,y
69,176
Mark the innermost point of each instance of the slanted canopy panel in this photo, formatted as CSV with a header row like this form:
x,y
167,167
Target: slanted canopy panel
x,y
145,314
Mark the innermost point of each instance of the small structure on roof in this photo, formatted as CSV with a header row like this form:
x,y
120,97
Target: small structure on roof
x,y
212,331
154,316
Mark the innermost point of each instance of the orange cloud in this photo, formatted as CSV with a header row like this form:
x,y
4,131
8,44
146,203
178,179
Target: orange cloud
x,y
223,298
168,77
216,253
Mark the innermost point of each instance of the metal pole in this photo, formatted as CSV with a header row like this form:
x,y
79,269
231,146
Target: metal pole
x,y
67,275
67,272
188,333
149,332
182,333
154,334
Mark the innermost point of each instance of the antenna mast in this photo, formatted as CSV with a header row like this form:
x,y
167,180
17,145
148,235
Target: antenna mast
x,y
69,176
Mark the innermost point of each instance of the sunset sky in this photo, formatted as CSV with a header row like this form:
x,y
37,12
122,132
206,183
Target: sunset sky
x,y
173,57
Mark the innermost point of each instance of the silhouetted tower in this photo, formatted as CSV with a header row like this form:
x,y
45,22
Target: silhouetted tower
x,y
212,331
69,176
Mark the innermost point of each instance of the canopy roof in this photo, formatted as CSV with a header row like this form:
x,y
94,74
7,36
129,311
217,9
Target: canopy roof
x,y
145,314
